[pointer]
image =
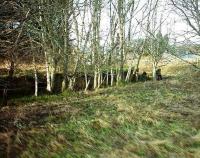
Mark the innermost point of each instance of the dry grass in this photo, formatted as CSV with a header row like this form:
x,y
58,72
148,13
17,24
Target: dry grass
x,y
151,119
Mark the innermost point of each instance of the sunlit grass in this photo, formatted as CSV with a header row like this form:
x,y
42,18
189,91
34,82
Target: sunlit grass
x,y
151,119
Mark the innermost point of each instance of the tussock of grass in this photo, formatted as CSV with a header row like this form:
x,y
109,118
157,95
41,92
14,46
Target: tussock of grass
x,y
152,119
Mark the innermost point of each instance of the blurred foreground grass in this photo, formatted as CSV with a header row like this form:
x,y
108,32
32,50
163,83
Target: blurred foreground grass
x,y
152,119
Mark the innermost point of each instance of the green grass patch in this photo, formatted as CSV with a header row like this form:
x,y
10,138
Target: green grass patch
x,y
144,120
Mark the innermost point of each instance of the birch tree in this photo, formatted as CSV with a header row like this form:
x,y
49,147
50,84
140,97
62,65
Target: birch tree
x,y
66,49
96,19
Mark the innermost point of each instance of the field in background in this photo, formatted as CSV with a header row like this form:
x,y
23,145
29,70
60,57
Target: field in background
x,y
151,119
167,63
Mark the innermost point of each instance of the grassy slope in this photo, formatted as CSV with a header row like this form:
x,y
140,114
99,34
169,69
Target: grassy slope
x,y
139,120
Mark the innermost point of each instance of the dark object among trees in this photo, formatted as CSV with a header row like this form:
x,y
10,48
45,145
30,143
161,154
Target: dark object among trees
x,y
144,77
158,75
5,97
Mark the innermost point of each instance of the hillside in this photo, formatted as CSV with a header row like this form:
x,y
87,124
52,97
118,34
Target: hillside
x,y
151,119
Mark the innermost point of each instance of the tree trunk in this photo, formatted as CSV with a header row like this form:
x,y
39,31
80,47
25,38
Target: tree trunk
x,y
71,83
107,78
128,74
35,76
95,78
46,54
11,70
64,83
138,62
48,74
154,67
121,37
66,46
99,79
53,71
87,82
112,77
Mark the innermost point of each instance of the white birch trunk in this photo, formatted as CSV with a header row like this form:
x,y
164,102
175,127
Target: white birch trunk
x,y
48,74
95,79
35,76
107,78
128,74
112,77
154,67
66,46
